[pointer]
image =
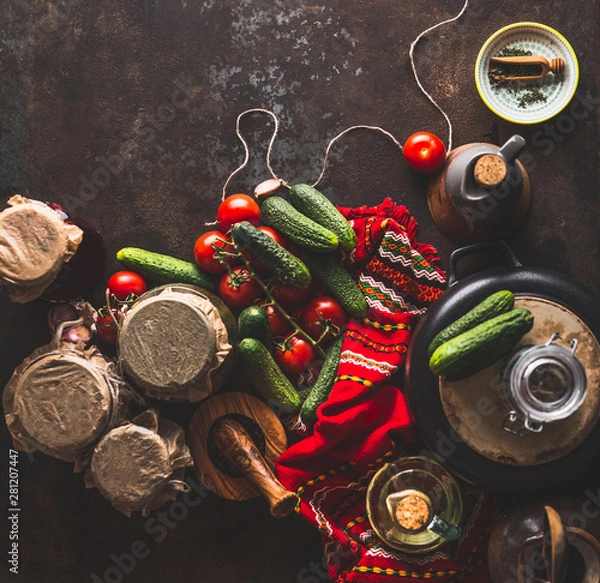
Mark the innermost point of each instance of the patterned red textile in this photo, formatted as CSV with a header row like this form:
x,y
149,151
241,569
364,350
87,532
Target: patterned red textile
x,y
365,421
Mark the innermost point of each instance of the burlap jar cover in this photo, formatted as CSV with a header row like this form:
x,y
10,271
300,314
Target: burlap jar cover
x,y
173,343
61,399
35,242
140,465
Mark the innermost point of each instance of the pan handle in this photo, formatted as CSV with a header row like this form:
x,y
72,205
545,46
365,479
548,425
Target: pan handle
x,y
476,248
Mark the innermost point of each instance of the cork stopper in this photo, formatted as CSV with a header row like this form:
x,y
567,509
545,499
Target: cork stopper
x,y
35,242
490,170
412,513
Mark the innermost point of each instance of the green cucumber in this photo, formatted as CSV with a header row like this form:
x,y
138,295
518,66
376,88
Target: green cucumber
x,y
316,206
163,269
321,389
303,393
297,227
328,269
494,305
481,346
287,267
253,322
267,378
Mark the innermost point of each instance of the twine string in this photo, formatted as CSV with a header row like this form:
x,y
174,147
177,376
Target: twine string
x,y
416,75
247,150
349,129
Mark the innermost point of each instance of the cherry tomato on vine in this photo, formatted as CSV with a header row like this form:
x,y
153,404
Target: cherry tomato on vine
x,y
236,208
275,235
321,314
239,289
124,284
205,248
294,355
424,151
279,325
289,296
105,326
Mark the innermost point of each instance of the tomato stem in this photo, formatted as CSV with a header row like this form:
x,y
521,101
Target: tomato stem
x,y
279,308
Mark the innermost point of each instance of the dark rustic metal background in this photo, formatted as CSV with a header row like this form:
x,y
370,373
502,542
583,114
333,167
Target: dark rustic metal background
x,y
125,112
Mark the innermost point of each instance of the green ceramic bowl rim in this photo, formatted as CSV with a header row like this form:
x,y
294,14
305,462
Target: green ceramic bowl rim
x,y
492,38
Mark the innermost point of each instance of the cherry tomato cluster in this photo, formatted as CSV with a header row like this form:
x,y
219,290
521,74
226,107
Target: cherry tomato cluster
x,y
122,288
302,320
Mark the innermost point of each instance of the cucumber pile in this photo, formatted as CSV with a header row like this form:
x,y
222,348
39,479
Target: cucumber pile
x,y
312,222
479,338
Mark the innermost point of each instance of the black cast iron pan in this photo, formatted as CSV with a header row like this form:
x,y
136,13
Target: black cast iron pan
x,y
422,387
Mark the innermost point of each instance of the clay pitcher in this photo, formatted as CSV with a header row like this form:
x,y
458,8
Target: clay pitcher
x,y
555,541
482,192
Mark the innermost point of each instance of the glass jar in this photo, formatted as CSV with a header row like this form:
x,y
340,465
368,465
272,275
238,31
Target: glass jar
x,y
62,399
176,342
85,268
45,252
414,505
140,465
542,384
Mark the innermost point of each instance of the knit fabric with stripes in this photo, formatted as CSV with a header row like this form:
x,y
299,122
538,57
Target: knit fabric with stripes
x,y
365,422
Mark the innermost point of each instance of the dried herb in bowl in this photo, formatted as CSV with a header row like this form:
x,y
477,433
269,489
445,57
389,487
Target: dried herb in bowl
x,y
499,74
530,97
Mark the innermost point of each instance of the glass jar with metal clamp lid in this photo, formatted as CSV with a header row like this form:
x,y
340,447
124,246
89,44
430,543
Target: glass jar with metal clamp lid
x,y
542,384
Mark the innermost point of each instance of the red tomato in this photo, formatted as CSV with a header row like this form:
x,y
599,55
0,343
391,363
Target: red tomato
x,y
289,296
106,328
424,151
124,284
321,314
239,290
277,237
279,325
237,208
295,355
205,248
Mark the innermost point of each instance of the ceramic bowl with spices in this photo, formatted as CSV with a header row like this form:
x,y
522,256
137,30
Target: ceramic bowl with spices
x,y
526,73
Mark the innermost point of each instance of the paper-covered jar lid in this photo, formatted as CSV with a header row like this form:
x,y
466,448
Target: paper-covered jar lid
x,y
35,242
172,343
61,399
140,465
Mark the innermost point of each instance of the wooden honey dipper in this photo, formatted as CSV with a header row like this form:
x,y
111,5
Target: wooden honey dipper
x,y
556,66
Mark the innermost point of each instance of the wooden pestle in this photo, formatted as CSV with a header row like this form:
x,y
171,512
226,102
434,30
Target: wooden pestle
x,y
237,446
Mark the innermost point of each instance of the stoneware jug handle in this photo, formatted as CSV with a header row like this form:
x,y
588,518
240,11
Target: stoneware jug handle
x,y
512,148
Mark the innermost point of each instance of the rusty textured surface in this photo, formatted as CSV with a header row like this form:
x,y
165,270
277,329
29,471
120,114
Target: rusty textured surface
x,y
125,113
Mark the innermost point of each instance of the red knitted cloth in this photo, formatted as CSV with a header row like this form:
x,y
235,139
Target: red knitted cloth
x,y
365,422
